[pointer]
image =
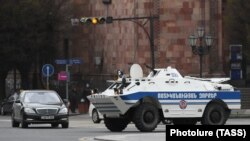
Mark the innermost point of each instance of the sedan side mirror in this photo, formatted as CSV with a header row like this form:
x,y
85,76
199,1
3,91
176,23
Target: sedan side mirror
x,y
66,102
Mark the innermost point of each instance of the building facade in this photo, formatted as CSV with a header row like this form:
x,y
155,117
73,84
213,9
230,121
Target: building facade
x,y
105,48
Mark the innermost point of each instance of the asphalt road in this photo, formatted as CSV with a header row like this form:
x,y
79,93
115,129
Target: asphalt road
x,y
81,128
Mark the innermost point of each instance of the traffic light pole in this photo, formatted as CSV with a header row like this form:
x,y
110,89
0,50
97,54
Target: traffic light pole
x,y
67,81
150,36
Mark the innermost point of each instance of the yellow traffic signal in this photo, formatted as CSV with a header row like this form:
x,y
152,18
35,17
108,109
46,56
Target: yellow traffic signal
x,y
93,20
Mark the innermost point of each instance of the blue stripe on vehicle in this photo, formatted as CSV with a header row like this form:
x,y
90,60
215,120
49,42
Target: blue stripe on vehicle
x,y
190,103
198,103
202,95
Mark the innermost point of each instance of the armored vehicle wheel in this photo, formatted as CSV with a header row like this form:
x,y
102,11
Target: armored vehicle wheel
x,y
116,124
146,117
215,114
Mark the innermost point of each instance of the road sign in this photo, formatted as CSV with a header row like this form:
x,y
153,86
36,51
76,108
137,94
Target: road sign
x,y
69,61
63,76
47,70
75,61
61,61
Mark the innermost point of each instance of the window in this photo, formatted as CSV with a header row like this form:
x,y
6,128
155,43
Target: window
x,y
42,98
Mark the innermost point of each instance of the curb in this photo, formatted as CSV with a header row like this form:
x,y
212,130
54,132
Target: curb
x,y
111,138
132,137
74,114
242,113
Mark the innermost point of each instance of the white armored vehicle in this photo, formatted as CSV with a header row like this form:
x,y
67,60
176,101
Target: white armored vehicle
x,y
164,95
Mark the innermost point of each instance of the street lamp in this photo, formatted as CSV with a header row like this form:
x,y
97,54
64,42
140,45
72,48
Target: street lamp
x,y
200,48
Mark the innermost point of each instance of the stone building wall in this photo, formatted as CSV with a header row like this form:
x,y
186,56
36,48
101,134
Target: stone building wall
x,y
123,43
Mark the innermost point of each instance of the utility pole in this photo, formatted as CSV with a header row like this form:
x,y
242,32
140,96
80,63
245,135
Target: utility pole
x,y
150,35
109,20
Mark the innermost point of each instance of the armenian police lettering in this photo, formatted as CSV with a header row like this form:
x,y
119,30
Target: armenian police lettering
x,y
185,95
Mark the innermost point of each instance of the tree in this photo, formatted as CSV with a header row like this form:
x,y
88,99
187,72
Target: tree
x,y
28,30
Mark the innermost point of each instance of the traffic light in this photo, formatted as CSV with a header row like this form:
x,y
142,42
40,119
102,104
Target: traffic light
x,y
85,20
106,1
96,20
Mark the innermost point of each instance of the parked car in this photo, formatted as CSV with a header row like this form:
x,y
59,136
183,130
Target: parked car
x,y
6,105
39,107
95,115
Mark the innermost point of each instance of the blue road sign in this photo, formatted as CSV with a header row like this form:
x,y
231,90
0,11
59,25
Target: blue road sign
x,y
47,70
61,61
69,61
75,61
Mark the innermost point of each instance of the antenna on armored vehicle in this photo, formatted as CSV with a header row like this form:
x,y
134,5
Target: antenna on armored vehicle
x,y
151,68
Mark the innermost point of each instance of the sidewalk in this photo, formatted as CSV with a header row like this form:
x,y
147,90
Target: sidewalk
x,y
243,113
78,113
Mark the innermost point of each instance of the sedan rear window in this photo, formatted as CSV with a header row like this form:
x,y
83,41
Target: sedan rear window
x,y
41,97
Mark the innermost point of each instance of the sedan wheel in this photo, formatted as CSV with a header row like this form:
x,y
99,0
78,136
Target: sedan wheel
x,y
65,125
23,123
54,125
14,123
2,111
95,116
